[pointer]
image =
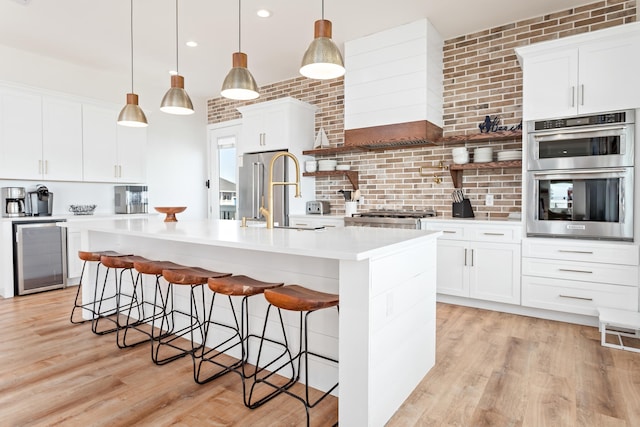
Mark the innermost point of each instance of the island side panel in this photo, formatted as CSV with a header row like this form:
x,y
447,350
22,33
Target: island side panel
x,y
387,331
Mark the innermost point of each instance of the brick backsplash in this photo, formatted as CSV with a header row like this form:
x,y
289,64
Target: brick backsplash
x,y
482,77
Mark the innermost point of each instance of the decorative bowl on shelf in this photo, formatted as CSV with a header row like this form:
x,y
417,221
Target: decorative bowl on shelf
x,y
170,212
82,209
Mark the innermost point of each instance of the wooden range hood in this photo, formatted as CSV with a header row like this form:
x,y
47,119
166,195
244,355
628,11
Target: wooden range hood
x,y
421,132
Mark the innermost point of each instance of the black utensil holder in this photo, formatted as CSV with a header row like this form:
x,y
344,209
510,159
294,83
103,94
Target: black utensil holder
x,y
462,209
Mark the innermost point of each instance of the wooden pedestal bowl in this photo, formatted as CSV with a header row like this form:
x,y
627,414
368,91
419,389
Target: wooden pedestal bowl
x,y
170,212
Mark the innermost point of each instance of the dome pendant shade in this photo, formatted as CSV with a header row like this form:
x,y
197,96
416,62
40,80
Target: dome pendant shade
x,y
239,83
176,100
131,114
323,59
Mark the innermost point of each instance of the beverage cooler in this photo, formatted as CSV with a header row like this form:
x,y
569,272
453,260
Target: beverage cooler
x,y
40,256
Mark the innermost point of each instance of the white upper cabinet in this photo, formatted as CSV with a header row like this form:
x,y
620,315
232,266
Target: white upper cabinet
x,y
582,74
282,124
99,138
112,153
20,135
61,139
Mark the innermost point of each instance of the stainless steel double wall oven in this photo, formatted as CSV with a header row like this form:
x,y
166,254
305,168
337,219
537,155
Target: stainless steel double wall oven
x,y
580,176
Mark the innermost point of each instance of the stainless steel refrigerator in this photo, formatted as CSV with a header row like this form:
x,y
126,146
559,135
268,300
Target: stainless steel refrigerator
x,y
253,187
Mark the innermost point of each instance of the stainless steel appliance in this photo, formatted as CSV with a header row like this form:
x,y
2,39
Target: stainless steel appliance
x,y
39,201
253,183
318,207
130,199
597,141
389,219
40,256
13,201
580,177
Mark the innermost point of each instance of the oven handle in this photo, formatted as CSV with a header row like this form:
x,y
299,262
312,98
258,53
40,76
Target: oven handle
x,y
556,134
581,172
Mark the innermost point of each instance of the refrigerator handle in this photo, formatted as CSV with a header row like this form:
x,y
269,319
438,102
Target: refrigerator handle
x,y
256,191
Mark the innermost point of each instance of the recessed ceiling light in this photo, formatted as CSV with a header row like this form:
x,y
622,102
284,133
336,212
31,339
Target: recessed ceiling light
x,y
192,43
263,13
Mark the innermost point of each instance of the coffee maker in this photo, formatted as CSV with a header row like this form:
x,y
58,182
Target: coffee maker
x,y
39,201
13,201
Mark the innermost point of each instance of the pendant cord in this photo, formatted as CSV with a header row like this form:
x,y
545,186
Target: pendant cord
x,y
323,10
131,34
239,25
177,67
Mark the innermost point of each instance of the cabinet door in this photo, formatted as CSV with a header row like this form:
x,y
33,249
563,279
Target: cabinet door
x,y
550,85
452,274
263,131
132,162
495,272
99,142
608,74
62,139
20,136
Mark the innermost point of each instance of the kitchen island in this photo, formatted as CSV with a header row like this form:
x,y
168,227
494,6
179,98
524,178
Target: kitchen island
x,y
385,337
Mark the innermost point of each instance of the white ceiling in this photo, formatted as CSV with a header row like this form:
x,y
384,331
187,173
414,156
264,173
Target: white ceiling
x,y
96,32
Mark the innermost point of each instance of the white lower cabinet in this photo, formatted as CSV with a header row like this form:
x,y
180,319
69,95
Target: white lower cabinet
x,y
579,276
478,261
74,263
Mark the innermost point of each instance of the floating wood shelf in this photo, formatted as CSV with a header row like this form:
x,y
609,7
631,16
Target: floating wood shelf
x,y
457,170
505,135
351,175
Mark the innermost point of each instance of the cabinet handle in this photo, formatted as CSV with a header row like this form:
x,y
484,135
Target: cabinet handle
x,y
301,224
581,94
568,270
46,167
465,257
448,232
493,234
573,96
575,252
572,297
472,257
119,171
262,139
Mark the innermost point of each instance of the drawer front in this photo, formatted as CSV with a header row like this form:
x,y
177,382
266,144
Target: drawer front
x,y
593,252
576,297
625,275
494,234
319,221
449,232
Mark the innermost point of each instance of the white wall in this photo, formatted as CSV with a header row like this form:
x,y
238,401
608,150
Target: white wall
x,y
176,162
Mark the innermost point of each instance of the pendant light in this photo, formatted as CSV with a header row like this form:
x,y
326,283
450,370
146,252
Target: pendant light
x,y
323,59
176,100
132,115
239,83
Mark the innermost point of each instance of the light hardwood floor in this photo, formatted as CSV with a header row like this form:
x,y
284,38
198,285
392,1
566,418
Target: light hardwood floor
x,y
493,369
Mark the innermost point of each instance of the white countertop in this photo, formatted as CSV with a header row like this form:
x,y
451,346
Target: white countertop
x,y
352,243
71,217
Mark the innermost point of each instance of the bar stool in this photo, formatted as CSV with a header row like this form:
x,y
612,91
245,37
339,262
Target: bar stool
x,y
124,302
159,307
195,278
231,286
305,301
91,256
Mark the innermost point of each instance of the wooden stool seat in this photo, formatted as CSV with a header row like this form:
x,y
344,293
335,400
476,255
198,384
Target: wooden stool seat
x,y
190,275
155,267
125,261
240,285
298,298
95,256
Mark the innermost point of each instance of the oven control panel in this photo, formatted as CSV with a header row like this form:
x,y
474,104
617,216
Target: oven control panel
x,y
597,119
